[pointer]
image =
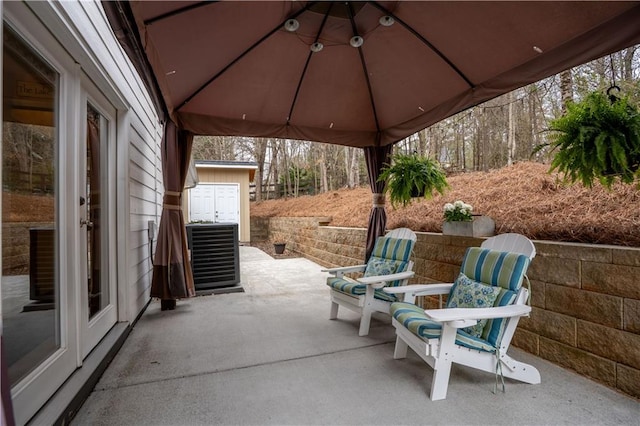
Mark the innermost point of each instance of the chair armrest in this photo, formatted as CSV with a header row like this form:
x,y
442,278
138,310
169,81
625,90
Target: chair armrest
x,y
339,271
420,289
381,279
466,314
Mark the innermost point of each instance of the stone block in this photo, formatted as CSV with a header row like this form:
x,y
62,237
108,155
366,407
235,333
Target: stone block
x,y
629,256
616,345
437,272
465,242
559,327
537,293
432,238
526,341
575,251
628,380
555,270
616,280
631,314
583,362
594,307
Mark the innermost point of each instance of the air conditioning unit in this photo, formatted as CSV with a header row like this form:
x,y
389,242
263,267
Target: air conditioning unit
x,y
215,259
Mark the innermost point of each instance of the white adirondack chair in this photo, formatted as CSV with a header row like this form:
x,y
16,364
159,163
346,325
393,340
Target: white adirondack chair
x,y
513,243
390,264
442,336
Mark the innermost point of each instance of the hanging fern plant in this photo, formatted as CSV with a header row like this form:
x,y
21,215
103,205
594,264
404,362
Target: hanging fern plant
x,y
597,139
410,176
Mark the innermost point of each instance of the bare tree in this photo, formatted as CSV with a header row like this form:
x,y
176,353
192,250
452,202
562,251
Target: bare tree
x,y
260,153
566,89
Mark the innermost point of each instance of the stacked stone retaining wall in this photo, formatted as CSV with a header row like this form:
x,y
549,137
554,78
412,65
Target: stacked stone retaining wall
x,y
585,298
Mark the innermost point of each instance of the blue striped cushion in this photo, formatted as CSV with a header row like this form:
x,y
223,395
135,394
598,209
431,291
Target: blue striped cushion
x,y
497,268
414,319
395,249
392,248
356,289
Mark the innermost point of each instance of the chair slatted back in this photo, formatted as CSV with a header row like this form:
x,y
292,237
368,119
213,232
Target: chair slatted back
x,y
396,246
496,268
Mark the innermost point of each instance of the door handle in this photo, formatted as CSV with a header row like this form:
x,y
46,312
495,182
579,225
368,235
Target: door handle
x,y
84,222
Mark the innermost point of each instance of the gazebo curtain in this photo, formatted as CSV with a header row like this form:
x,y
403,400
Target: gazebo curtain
x,y
172,277
375,157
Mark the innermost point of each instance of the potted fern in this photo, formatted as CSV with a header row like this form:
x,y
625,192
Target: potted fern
x,y
597,139
410,176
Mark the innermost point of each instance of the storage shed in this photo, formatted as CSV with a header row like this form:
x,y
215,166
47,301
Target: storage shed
x,y
222,194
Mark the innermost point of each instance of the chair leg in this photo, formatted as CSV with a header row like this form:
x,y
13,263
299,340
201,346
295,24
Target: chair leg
x,y
440,382
334,311
400,351
442,364
365,322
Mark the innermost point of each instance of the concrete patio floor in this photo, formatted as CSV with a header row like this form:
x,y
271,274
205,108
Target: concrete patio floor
x,y
271,356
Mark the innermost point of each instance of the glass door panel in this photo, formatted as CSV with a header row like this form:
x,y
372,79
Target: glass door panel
x,y
30,259
97,288
38,320
97,219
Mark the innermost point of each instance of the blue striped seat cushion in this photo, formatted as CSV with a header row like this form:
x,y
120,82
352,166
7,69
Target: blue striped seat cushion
x,y
355,289
414,319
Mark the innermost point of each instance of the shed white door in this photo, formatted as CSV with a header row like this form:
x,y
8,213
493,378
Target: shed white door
x,y
226,203
201,203
215,203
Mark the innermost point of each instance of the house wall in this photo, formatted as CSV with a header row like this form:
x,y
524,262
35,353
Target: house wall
x,y
222,175
585,297
139,172
96,56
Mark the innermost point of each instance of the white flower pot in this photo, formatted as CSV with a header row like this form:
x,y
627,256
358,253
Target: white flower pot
x,y
463,229
480,226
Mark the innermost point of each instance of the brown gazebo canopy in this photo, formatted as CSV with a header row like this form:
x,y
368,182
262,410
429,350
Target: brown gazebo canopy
x,y
364,74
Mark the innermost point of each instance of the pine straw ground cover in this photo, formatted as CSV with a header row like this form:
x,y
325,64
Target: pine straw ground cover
x,y
522,198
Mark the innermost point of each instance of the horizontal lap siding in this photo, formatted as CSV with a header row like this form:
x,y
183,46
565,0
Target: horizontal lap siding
x,y
144,196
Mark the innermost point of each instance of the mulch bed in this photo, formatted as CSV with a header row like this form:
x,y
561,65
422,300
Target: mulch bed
x,y
523,198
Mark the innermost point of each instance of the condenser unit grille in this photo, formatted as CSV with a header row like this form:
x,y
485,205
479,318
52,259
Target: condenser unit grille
x,y
214,255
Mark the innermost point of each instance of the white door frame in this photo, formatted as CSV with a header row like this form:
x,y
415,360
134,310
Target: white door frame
x,y
94,329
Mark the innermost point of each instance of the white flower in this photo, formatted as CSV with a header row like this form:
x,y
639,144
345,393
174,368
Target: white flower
x,y
468,207
448,207
459,204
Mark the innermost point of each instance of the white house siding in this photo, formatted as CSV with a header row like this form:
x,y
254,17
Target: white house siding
x,y
82,28
145,188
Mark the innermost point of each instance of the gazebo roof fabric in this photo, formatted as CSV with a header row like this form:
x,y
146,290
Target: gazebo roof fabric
x,y
232,68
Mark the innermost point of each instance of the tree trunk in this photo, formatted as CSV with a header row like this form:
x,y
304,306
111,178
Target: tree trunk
x,y
260,153
511,130
566,89
422,142
627,67
324,186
